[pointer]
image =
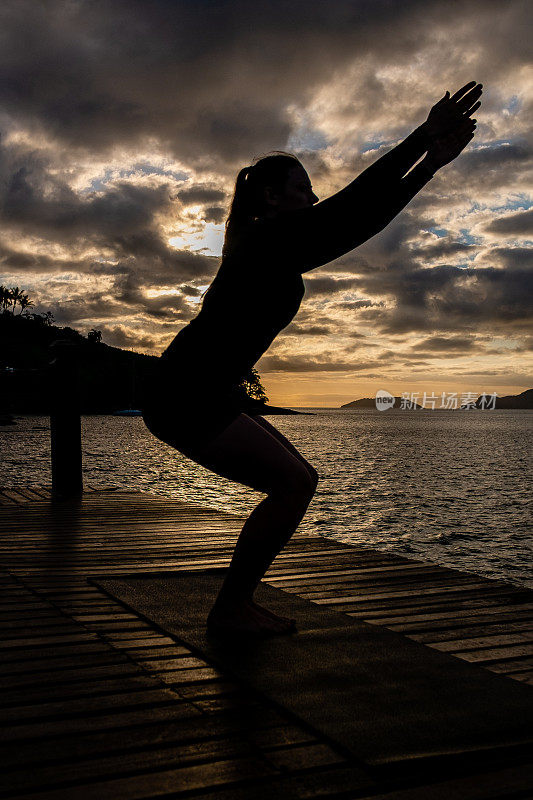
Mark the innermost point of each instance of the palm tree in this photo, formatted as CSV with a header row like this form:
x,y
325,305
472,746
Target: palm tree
x,y
24,302
16,295
6,298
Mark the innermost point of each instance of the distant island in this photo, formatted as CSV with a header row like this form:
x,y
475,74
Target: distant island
x,y
370,402
522,400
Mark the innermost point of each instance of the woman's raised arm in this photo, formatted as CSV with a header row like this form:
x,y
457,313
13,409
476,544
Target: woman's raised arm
x,y
308,238
313,236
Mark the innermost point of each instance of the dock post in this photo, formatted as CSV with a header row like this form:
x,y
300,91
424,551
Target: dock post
x,y
65,423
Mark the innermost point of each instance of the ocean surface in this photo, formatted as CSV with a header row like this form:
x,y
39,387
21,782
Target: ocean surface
x,y
452,488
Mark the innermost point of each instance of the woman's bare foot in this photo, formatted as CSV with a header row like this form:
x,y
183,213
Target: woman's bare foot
x,y
244,617
288,621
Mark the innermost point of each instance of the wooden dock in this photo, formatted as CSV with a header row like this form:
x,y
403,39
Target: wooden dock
x,y
99,701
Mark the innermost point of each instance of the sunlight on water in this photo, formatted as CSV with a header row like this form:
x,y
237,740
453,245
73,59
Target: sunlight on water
x,y
450,488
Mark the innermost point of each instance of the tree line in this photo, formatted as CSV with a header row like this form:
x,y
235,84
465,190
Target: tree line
x,y
14,297
11,297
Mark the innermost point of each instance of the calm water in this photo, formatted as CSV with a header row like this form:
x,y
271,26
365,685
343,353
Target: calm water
x,y
451,488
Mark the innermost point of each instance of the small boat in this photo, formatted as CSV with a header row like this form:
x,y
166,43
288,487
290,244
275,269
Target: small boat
x,y
128,412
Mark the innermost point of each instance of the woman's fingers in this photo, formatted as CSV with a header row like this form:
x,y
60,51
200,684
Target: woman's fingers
x,y
474,108
460,92
451,112
469,99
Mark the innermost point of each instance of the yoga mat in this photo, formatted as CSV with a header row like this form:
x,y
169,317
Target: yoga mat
x,y
382,698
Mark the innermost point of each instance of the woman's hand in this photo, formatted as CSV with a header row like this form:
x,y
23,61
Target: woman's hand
x,y
449,112
446,148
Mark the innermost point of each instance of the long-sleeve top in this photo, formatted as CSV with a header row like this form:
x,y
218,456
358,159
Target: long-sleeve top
x,y
258,288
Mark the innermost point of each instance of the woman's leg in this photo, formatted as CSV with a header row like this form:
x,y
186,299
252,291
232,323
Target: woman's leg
x,y
248,453
289,445
314,475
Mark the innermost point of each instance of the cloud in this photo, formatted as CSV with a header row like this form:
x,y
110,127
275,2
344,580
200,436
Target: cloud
x,y
120,336
193,195
275,363
328,285
307,330
445,344
215,214
519,224
123,126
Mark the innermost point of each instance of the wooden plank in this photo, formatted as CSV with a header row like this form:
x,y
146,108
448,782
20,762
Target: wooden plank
x,y
14,495
140,738
124,764
153,697
485,643
115,532
165,782
118,720
374,678
55,677
66,691
514,782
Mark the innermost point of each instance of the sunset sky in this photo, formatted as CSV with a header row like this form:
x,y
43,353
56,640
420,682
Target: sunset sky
x,y
124,124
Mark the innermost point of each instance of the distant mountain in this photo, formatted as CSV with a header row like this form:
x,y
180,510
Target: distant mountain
x,y
370,402
522,400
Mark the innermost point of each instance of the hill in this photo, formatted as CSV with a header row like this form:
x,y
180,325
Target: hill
x,y
109,378
370,402
522,400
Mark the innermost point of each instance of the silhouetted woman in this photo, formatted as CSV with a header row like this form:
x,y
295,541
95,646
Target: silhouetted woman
x,y
277,230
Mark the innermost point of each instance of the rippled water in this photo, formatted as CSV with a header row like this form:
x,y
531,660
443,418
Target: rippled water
x,y
451,488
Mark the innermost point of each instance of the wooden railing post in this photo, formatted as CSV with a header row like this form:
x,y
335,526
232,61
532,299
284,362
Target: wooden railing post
x,y
65,423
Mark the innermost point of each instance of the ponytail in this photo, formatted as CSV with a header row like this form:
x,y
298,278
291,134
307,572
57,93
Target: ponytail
x,y
248,201
239,215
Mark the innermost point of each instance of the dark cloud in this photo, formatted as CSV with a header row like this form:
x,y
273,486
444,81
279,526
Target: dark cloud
x,y
445,344
215,214
275,363
497,156
201,89
450,298
519,224
119,336
190,291
512,257
196,195
35,200
325,285
13,261
87,307
352,305
202,77
307,330
443,249
129,293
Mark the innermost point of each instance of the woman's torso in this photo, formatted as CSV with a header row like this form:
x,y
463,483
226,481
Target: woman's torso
x,y
251,299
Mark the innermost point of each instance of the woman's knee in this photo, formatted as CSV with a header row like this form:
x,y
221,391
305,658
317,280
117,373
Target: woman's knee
x,y
314,476
297,485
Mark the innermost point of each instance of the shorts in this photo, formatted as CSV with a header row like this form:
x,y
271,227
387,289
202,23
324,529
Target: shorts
x,y
191,423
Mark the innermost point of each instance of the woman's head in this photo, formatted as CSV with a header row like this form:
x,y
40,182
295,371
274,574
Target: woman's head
x,y
275,183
